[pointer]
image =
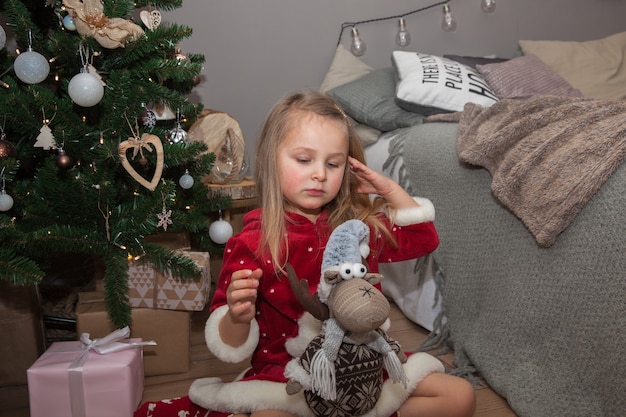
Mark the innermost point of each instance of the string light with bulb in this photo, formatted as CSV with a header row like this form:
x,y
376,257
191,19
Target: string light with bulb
x,y
403,37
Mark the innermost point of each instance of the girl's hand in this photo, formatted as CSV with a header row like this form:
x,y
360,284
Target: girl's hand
x,y
241,295
371,182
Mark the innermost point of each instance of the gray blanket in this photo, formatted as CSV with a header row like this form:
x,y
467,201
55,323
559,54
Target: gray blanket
x,y
546,327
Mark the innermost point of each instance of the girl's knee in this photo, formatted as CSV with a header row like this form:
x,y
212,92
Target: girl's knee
x,y
464,397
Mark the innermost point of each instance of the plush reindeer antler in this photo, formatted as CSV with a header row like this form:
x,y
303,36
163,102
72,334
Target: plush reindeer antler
x,y
311,303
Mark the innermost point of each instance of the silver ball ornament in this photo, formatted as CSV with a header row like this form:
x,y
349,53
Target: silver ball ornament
x,y
186,181
178,134
6,201
85,89
220,231
31,67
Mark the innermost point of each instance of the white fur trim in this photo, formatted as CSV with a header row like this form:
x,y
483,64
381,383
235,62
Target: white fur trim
x,y
417,367
425,212
296,372
308,328
247,396
223,351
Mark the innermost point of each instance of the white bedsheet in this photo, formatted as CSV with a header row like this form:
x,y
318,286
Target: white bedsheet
x,y
414,295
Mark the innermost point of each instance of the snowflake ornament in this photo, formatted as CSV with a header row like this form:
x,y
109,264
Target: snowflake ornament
x,y
164,218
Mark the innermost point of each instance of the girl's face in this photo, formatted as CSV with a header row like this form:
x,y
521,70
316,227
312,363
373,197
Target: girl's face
x,y
312,160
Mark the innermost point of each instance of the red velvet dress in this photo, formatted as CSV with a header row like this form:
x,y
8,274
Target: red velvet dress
x,y
277,309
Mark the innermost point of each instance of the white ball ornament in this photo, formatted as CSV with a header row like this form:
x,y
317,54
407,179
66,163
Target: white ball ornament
x,y
186,181
220,231
31,67
6,201
85,89
68,23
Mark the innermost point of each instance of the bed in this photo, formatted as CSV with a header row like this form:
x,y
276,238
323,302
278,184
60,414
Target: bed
x,y
528,283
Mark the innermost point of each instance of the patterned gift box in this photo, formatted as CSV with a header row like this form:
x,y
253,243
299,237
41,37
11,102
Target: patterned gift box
x,y
104,385
150,287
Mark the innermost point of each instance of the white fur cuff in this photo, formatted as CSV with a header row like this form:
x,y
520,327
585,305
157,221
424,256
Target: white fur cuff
x,y
223,351
414,215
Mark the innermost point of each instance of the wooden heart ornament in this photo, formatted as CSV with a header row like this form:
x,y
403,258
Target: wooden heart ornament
x,y
152,19
137,145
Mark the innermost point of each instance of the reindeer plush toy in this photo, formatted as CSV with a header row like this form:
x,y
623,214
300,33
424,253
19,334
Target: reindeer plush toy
x,y
341,369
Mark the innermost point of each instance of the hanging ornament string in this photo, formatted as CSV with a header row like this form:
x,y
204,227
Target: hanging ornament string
x,y
106,216
45,139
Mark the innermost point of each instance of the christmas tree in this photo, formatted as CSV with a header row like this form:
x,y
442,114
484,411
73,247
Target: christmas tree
x,y
94,154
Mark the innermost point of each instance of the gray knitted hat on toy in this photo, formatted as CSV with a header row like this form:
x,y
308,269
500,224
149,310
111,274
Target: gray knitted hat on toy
x,y
348,243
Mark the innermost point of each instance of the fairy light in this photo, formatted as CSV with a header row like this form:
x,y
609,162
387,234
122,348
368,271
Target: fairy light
x,y
403,37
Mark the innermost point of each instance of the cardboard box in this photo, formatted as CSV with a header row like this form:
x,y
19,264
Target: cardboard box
x,y
169,328
171,240
150,287
21,330
104,386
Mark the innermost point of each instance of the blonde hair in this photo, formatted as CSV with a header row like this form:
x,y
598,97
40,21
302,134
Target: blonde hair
x,y
348,204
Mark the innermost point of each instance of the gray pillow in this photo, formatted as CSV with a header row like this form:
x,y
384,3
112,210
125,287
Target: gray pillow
x,y
371,100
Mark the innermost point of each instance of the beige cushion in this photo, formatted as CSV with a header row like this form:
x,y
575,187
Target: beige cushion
x,y
594,67
525,76
344,68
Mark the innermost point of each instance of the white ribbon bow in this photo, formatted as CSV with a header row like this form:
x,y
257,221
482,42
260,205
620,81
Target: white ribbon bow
x,y
108,344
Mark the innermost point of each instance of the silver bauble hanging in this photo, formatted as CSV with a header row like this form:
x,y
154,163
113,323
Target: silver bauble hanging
x,y
178,134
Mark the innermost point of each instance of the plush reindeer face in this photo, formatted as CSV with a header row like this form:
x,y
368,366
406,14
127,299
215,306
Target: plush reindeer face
x,y
354,302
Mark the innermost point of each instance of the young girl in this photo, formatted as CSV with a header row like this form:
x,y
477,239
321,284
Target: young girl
x,y
311,177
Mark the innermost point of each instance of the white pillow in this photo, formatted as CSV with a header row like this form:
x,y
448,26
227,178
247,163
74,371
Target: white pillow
x,y
426,83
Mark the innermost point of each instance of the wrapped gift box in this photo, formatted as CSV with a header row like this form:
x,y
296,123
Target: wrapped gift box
x,y
168,328
150,287
171,240
105,385
21,330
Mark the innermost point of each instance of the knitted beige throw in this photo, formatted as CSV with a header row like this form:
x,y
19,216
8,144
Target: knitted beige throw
x,y
547,155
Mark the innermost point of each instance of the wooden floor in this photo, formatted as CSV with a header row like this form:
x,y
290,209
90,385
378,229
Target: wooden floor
x,y
408,334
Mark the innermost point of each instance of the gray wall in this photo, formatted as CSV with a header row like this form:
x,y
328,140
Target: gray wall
x,y
259,50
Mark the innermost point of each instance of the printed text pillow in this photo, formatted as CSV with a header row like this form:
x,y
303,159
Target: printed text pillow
x,y
429,84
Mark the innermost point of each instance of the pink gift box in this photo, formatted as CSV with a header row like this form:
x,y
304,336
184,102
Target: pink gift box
x,y
112,384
